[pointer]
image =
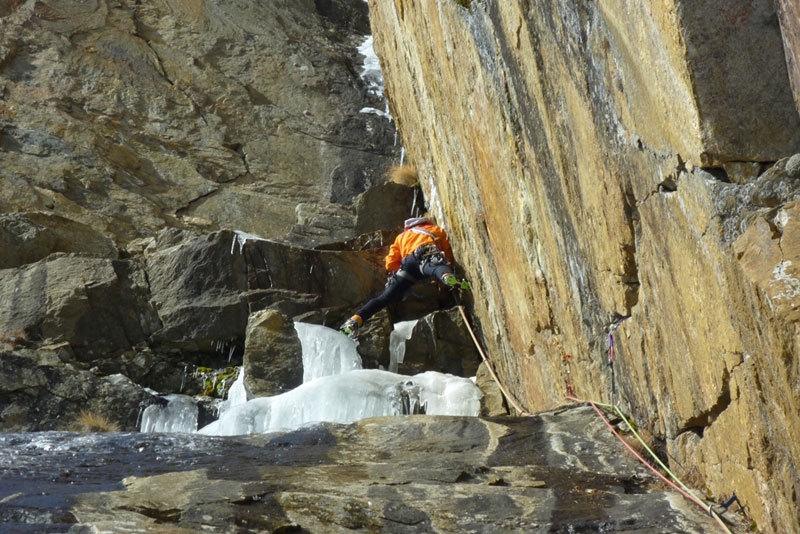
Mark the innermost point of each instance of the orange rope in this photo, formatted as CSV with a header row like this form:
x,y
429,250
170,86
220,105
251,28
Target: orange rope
x,y
686,494
519,409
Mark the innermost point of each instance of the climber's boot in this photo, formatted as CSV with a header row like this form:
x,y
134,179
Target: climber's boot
x,y
351,326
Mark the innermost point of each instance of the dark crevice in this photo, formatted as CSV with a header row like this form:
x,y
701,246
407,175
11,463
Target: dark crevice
x,y
171,515
239,149
669,185
631,273
706,418
697,430
138,26
718,173
195,202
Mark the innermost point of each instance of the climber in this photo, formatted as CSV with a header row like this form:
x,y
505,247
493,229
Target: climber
x,y
420,252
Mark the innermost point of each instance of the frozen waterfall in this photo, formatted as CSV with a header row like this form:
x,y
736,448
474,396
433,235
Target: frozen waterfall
x,y
336,390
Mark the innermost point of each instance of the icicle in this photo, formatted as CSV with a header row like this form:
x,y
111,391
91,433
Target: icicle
x,y
375,111
240,239
397,343
183,379
266,267
371,72
325,351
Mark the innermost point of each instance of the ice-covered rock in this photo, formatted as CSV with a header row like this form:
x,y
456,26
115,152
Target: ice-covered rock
x,y
349,397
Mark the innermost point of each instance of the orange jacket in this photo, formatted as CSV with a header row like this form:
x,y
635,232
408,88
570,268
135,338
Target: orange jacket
x,y
408,241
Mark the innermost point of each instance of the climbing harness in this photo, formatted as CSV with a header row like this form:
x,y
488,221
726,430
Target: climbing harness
x,y
429,254
402,274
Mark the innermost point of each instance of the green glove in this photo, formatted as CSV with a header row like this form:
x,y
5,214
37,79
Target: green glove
x,y
453,283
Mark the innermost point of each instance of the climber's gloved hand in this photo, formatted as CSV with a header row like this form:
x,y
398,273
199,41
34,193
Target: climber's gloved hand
x,y
454,283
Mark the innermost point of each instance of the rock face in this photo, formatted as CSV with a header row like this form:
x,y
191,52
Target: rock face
x,y
64,297
613,171
441,342
168,165
132,137
789,15
41,391
402,474
184,304
127,117
273,357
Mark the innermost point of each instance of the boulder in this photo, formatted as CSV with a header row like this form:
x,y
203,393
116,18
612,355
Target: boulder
x,y
493,403
273,357
38,391
198,285
97,305
383,207
204,286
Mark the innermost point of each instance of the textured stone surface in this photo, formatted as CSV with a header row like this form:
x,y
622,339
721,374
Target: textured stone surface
x,y
440,342
40,392
586,182
97,305
273,357
557,472
205,286
128,117
789,15
29,237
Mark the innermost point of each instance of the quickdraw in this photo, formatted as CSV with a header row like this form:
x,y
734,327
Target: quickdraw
x,y
567,372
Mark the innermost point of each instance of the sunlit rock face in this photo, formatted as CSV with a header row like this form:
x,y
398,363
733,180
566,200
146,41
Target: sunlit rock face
x,y
789,15
611,167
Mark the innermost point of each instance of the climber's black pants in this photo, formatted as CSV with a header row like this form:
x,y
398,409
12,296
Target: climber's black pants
x,y
398,285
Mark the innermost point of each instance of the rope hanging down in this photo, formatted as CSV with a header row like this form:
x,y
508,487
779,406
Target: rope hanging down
x,y
680,486
507,395
683,490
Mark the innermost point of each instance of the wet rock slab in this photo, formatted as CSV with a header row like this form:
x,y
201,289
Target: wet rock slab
x,y
556,472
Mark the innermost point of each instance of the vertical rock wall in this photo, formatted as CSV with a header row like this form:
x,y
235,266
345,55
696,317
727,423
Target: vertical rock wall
x,y
601,168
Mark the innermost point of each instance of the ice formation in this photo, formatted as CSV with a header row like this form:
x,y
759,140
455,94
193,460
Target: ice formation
x,y
325,351
335,389
397,343
371,72
178,415
348,397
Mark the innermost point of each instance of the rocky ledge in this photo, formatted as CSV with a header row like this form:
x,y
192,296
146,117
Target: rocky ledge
x,y
560,471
